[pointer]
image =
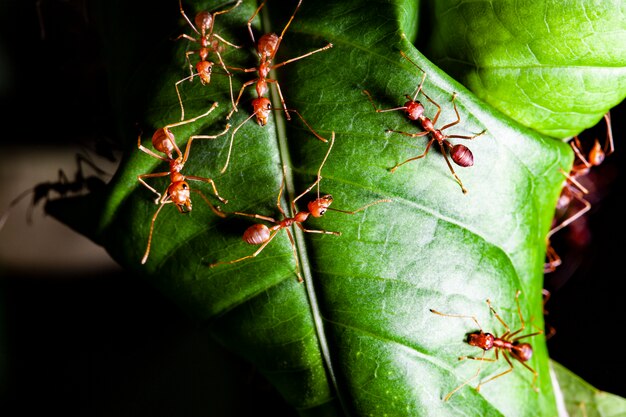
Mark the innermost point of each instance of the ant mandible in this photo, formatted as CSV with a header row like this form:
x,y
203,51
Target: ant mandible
x,y
573,190
178,191
460,154
209,42
508,344
260,234
267,47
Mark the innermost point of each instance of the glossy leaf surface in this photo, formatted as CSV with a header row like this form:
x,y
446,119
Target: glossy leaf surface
x,y
582,399
357,337
556,67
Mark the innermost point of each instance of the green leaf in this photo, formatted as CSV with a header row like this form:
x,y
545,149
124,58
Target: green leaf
x,y
582,399
357,337
556,67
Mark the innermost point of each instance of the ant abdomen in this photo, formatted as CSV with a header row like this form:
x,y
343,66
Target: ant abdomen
x,y
522,351
203,20
256,234
462,156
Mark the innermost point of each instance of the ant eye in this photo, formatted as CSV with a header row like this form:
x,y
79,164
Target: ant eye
x,y
268,106
322,211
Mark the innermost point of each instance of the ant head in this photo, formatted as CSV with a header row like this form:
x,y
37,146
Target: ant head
x,y
262,107
204,69
256,234
266,47
481,340
180,194
318,207
522,351
413,109
203,21
163,141
462,156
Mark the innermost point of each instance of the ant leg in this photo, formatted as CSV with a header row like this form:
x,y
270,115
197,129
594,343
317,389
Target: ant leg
x,y
411,135
324,232
232,140
535,375
226,42
224,11
189,62
153,175
251,19
180,100
419,87
243,87
553,259
493,310
323,48
467,381
184,122
248,256
164,201
230,79
285,28
215,210
609,147
382,200
458,119
438,109
456,177
319,175
280,95
256,216
295,255
498,375
180,5
210,181
458,316
566,222
149,151
308,125
464,136
192,138
369,96
393,169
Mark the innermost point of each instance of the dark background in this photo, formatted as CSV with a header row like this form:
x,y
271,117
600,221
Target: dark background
x,y
87,339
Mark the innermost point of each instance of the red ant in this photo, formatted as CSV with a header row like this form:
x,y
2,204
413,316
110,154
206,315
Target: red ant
x,y
267,47
260,234
178,191
209,42
164,141
460,154
573,190
508,344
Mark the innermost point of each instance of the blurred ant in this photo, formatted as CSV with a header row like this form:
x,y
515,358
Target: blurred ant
x,y
267,47
63,187
460,154
573,190
178,191
260,234
508,343
209,42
